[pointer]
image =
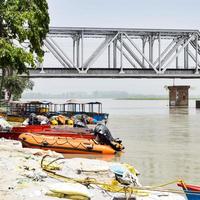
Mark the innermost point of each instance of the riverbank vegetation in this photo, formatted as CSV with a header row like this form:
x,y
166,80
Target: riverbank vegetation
x,y
23,27
117,95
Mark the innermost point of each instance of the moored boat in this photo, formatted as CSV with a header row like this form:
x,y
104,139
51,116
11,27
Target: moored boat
x,y
18,111
101,134
14,132
91,109
30,128
65,144
9,132
192,192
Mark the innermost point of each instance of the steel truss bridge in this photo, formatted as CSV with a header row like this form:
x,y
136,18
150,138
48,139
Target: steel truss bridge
x,y
121,53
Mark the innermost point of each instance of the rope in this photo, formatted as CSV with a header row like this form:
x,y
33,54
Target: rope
x,y
41,164
127,190
183,183
165,184
140,191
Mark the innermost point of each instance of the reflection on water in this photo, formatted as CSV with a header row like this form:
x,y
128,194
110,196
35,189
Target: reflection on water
x,y
161,142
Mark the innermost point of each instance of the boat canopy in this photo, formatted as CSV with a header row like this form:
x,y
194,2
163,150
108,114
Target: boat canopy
x,y
71,101
80,106
69,108
27,107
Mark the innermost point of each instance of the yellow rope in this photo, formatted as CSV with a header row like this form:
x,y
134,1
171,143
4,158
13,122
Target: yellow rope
x,y
183,183
165,184
114,186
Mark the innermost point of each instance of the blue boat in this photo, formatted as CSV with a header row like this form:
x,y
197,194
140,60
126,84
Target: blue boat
x,y
192,192
91,109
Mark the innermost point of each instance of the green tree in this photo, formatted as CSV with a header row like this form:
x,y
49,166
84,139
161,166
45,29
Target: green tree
x,y
15,86
24,25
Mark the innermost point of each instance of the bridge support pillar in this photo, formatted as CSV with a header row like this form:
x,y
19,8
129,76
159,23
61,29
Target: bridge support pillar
x,y
197,103
178,96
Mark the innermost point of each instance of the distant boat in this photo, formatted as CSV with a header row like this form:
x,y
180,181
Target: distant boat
x,y
91,109
18,111
192,192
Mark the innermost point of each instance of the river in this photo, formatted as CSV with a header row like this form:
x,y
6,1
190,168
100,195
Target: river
x,y
162,143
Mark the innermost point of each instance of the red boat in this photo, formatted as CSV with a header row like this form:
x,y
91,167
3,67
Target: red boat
x,y
30,128
192,192
189,187
47,130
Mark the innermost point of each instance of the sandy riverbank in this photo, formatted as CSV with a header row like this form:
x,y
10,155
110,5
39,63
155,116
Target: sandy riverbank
x,y
22,177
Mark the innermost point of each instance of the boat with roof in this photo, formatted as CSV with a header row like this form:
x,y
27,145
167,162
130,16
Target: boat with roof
x,y
18,111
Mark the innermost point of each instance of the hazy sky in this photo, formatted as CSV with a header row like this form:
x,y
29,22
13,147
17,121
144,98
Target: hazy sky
x,y
125,13
121,13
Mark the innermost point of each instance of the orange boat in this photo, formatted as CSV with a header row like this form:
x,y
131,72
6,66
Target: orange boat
x,y
64,144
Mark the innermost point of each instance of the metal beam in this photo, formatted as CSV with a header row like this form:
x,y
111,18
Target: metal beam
x,y
133,55
78,51
159,52
164,52
177,58
148,61
99,51
179,51
109,56
62,53
170,53
127,58
115,53
82,40
186,57
121,53
151,41
62,61
136,32
143,50
194,58
197,60
112,73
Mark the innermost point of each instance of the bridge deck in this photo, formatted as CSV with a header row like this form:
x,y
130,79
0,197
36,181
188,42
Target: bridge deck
x,y
111,73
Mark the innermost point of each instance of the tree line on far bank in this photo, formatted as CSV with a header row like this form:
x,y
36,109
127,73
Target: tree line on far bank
x,y
24,25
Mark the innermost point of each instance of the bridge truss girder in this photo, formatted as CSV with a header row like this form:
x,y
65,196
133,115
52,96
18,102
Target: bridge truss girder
x,y
155,52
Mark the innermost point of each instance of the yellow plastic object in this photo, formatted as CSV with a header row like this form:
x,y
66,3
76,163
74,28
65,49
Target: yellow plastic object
x,y
61,195
115,187
70,122
130,168
43,110
70,190
54,122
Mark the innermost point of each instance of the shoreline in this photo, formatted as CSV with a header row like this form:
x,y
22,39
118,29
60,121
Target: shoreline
x,y
23,177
